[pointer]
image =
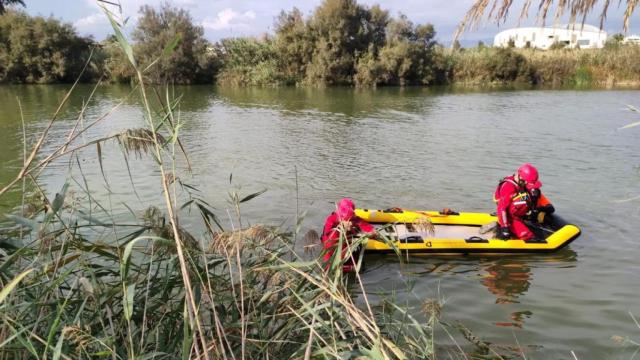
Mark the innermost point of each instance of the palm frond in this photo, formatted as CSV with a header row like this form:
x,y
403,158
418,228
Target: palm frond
x,y
577,9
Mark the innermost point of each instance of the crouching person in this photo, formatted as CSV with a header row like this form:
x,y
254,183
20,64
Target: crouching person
x,y
342,222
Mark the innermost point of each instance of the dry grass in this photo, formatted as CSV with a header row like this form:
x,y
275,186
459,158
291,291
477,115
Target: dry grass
x,y
424,224
615,65
237,239
139,141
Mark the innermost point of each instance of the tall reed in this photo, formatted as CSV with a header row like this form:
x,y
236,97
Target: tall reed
x,y
77,283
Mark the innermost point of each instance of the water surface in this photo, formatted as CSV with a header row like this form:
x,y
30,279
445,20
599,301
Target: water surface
x,y
413,148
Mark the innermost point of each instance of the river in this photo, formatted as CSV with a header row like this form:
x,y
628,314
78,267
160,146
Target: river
x,y
414,148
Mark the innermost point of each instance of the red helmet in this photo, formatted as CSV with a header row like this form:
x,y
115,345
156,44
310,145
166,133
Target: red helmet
x,y
344,209
529,174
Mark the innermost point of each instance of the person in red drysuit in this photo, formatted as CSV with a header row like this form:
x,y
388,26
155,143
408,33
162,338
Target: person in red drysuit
x,y
343,220
518,197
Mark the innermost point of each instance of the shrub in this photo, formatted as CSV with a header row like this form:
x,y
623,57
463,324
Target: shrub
x,y
248,61
508,65
190,62
39,50
582,76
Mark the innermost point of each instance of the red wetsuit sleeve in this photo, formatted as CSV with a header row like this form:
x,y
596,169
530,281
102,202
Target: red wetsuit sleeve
x,y
505,196
329,232
364,226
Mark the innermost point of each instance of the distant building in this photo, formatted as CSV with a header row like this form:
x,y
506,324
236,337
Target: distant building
x,y
571,36
632,39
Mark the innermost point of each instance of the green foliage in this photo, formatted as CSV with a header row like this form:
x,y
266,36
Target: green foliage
x,y
249,61
116,66
294,45
191,60
407,57
557,46
582,76
617,37
604,67
39,50
507,66
341,31
340,43
490,65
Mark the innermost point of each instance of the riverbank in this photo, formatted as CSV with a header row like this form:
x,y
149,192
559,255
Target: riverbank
x,y
380,50
609,67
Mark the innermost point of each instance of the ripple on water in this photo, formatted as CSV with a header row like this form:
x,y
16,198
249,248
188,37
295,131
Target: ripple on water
x,y
417,149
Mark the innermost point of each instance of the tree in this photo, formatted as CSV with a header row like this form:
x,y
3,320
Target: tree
x,y
342,42
617,37
5,3
39,50
190,61
249,61
406,58
341,30
294,45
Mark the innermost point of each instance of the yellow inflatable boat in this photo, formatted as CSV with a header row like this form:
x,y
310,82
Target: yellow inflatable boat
x,y
460,233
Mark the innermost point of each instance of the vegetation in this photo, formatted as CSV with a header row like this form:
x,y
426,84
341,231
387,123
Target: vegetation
x,y
342,43
191,60
39,50
611,66
78,284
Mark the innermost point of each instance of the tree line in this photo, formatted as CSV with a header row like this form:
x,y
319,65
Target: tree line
x,y
340,43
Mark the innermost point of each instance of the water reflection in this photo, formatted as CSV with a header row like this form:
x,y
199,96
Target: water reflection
x,y
508,279
336,102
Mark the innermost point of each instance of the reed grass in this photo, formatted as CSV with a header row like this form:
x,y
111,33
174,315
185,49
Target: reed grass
x,y
77,284
615,65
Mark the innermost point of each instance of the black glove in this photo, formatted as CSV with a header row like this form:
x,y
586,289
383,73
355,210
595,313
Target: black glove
x,y
549,209
503,233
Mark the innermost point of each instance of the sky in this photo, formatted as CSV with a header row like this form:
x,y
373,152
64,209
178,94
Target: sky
x,y
232,18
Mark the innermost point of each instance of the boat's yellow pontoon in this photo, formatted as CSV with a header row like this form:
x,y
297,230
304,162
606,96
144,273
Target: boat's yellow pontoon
x,y
460,233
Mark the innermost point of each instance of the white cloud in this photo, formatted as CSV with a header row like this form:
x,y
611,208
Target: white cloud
x,y
87,23
228,19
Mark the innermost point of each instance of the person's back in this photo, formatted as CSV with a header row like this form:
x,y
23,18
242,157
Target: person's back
x,y
342,221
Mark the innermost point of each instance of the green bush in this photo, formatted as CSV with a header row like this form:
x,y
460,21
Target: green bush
x,y
582,76
191,61
249,61
39,50
483,65
509,66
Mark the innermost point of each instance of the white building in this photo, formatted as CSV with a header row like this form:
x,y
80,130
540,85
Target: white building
x,y
585,37
632,39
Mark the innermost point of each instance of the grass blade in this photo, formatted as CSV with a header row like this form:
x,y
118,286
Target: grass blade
x,y
12,284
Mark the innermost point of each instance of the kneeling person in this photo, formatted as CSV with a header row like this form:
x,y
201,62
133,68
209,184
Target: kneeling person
x,y
518,197
343,220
